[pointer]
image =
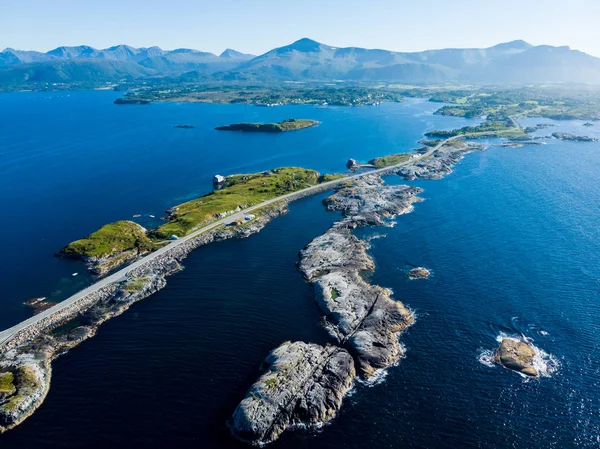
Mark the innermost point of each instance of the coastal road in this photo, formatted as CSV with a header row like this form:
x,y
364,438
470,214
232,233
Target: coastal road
x,y
122,274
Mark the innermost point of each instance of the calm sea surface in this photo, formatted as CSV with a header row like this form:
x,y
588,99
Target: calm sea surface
x,y
512,238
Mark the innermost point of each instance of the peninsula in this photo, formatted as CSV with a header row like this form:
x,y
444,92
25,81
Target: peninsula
x,y
286,125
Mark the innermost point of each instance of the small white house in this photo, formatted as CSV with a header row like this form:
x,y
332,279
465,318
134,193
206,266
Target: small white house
x,y
218,179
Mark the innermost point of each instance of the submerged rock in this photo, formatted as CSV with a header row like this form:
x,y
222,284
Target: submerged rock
x,y
517,355
302,383
419,273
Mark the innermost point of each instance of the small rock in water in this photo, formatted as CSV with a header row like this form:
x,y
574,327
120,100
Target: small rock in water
x,y
517,355
419,273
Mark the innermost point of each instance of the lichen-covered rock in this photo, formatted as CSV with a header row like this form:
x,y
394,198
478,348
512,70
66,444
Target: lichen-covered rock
x,y
517,355
357,314
338,250
302,383
29,383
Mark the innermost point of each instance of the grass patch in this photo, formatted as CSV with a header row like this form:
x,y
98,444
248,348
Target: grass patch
x,y
135,284
334,293
393,159
272,382
241,191
328,177
109,239
25,382
7,386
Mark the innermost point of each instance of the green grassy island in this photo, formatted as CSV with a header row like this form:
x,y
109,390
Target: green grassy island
x,y
287,125
117,240
110,239
392,159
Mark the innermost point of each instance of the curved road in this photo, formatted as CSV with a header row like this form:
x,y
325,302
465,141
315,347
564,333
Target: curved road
x,y
120,275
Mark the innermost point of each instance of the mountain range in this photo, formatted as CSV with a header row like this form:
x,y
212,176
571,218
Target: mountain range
x,y
516,62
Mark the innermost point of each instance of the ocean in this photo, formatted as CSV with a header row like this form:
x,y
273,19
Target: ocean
x,y
511,237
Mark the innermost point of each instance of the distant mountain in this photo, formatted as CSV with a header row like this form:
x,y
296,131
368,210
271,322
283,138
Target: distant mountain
x,y
233,54
516,62
72,71
513,62
83,63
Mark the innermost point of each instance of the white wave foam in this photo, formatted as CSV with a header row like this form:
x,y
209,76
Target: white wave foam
x,y
376,236
377,378
545,364
486,357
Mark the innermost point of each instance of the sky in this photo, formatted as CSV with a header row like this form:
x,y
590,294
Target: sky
x,y
256,26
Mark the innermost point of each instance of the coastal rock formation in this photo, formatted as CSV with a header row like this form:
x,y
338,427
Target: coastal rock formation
x,y
24,383
301,383
573,138
517,355
356,313
26,358
419,273
370,201
440,163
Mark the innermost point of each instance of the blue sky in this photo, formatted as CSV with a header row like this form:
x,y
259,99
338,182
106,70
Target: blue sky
x,y
255,26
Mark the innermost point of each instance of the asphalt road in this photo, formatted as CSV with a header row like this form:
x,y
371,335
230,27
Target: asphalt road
x,y
121,275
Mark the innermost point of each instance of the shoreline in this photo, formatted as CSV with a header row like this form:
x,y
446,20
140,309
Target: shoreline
x,y
363,319
33,340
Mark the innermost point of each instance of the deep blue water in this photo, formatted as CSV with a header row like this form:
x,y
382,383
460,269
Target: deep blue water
x,y
512,238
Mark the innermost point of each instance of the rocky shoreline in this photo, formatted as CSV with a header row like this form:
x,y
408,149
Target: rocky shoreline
x,y
361,318
27,357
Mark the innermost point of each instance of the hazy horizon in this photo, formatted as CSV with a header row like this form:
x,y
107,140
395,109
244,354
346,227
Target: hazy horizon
x,y
261,25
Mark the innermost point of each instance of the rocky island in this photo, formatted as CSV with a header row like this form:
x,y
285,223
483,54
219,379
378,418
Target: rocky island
x,y
418,273
301,384
517,355
284,126
573,137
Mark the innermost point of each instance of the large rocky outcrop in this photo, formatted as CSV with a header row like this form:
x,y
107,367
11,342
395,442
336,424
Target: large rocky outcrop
x,y
302,383
357,314
517,355
371,201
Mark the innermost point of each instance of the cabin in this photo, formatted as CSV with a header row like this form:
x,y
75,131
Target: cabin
x,y
219,180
